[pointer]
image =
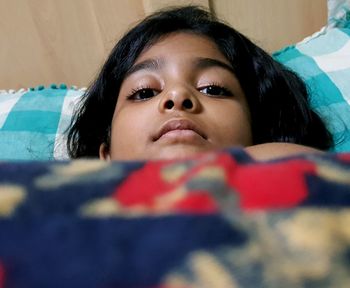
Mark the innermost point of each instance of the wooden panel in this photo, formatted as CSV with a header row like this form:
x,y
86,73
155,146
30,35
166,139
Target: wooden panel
x,y
66,41
273,23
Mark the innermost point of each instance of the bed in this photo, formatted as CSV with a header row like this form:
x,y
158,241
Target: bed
x,y
220,219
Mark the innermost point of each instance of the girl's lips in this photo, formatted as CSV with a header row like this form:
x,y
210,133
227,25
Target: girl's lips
x,y
179,128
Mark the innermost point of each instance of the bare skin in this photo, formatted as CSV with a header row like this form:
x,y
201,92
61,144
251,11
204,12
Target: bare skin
x,y
269,151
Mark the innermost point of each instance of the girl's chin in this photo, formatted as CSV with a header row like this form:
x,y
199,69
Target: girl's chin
x,y
178,152
168,152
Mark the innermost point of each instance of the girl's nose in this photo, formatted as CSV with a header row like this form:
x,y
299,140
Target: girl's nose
x,y
186,104
179,99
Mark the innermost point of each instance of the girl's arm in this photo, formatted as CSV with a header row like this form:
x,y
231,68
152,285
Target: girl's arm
x,y
269,151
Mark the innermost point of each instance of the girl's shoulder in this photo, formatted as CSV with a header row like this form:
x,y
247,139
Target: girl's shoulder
x,y
274,150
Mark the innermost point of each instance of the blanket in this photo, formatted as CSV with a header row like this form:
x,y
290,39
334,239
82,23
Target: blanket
x,y
220,219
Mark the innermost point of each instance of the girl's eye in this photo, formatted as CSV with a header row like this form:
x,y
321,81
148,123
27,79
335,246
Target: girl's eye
x,y
142,94
215,90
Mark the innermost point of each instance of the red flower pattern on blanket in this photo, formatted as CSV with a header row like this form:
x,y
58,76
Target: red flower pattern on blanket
x,y
265,186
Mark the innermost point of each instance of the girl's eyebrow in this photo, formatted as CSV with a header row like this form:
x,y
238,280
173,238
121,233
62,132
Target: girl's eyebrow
x,y
158,63
203,63
148,64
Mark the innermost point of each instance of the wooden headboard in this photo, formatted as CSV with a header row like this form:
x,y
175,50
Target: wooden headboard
x,y
66,41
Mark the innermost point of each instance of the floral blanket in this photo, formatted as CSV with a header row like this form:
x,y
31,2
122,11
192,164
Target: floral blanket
x,y
218,220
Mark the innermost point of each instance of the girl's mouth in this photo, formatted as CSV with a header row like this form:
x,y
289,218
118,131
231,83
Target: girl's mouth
x,y
179,129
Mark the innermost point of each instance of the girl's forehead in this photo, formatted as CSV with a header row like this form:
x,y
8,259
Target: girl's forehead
x,y
182,43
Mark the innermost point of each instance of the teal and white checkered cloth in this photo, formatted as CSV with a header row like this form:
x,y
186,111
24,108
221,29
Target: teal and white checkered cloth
x,y
323,61
338,12
32,122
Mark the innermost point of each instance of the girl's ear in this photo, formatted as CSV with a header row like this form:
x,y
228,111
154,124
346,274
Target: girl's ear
x,y
104,152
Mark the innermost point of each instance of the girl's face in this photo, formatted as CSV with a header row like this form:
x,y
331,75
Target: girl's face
x,y
179,98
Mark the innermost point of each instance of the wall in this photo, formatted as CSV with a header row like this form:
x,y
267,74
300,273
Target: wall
x,y
66,41
273,23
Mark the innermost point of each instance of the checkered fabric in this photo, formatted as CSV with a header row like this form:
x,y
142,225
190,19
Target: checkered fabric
x,y
323,61
337,12
33,122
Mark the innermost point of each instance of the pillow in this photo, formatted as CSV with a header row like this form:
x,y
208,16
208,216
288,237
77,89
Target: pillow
x,y
338,12
32,122
323,61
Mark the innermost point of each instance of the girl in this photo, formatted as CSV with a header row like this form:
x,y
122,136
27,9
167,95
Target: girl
x,y
182,82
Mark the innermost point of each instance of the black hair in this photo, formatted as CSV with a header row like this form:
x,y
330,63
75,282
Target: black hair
x,y
277,97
